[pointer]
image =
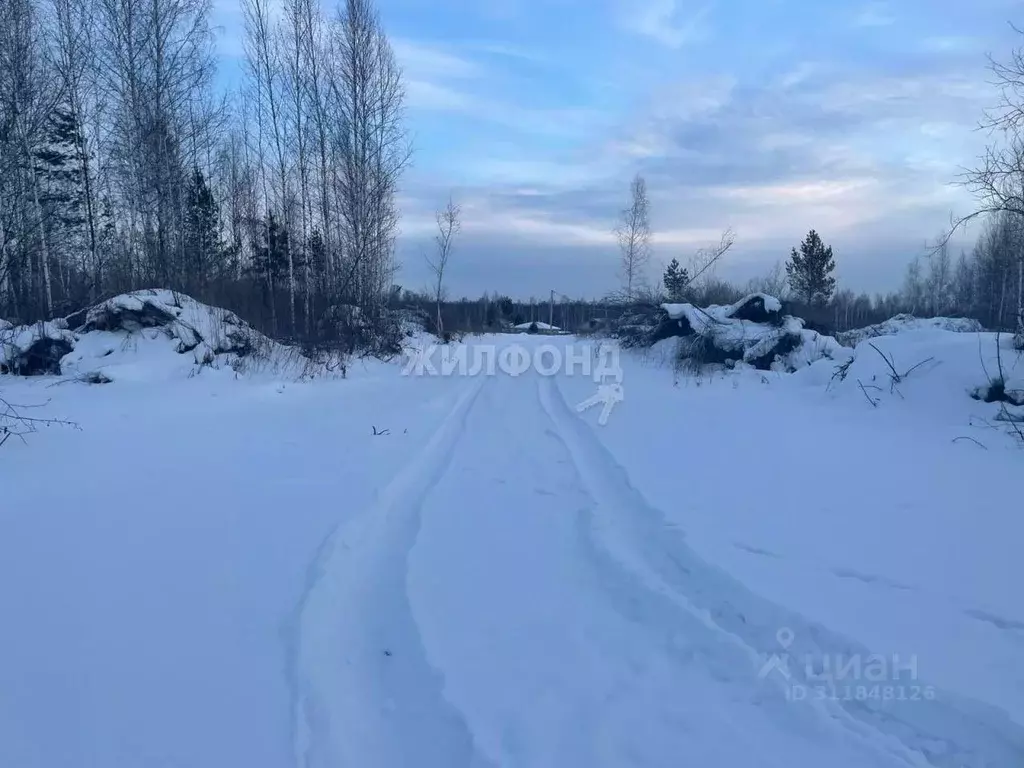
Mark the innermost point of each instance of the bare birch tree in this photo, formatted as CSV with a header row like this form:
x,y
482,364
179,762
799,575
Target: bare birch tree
x,y
297,44
319,95
449,223
264,58
633,233
371,144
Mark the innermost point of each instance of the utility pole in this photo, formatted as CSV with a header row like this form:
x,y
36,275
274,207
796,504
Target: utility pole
x,y
551,309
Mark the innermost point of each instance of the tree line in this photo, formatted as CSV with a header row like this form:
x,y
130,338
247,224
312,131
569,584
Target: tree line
x,y
981,283
122,167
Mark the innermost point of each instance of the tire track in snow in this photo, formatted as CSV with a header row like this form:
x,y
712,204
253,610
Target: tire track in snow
x,y
364,693
651,561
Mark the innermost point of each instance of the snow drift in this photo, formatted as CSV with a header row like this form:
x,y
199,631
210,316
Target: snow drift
x,y
941,376
162,327
903,323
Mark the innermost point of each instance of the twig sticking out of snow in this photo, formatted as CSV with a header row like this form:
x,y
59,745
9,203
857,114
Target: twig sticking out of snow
x,y
874,403
841,370
965,437
896,377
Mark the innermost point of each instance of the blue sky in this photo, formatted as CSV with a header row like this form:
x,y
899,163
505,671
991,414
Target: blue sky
x,y
767,116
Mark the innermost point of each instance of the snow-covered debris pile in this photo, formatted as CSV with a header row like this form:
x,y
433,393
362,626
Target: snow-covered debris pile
x,y
138,333
757,308
195,328
753,331
34,350
904,323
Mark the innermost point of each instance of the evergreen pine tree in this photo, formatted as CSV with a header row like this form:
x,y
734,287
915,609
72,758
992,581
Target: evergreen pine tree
x,y
57,167
810,270
270,257
204,257
62,198
675,280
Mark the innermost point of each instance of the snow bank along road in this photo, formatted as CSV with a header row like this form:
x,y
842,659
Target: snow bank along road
x,y
217,573
510,599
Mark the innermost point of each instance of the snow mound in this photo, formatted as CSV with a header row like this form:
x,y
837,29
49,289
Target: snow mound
x,y
203,330
32,350
139,334
751,332
903,323
536,325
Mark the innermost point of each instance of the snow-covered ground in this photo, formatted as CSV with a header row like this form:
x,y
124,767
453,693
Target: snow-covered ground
x,y
219,570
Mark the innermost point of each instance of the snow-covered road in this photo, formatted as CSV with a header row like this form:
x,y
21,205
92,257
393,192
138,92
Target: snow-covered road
x,y
246,575
512,600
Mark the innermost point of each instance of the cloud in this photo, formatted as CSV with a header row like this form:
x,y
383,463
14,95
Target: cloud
x,y
874,15
951,44
666,22
464,79
509,51
435,77
425,60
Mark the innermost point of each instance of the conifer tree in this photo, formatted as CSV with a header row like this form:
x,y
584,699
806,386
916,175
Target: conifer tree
x,y
810,270
270,257
203,254
675,280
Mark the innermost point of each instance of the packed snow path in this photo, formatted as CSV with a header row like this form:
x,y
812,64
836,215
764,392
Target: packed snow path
x,y
511,600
